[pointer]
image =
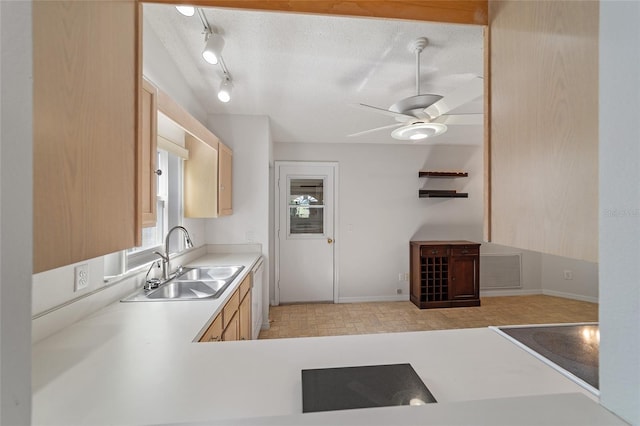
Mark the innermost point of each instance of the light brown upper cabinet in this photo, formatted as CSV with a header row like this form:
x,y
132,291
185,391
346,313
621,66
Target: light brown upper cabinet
x,y
207,172
200,179
86,82
148,153
225,167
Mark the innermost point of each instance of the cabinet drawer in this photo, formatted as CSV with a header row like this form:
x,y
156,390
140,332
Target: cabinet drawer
x,y
428,251
245,286
230,308
465,251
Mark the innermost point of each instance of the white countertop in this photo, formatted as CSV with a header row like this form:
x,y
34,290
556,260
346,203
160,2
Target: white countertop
x,y
137,363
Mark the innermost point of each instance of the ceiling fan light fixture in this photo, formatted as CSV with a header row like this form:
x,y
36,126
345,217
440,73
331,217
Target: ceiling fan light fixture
x,y
224,94
186,10
418,131
213,48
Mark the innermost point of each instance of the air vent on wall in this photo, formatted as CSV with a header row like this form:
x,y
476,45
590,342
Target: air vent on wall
x,y
500,271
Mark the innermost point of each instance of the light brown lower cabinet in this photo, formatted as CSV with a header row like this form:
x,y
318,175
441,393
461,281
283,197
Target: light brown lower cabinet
x,y
232,332
244,313
214,332
234,322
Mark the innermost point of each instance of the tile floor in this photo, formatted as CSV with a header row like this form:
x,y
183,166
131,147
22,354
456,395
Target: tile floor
x,y
306,320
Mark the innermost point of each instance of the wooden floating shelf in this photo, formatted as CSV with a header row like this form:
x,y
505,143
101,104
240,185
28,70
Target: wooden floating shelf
x,y
438,193
442,174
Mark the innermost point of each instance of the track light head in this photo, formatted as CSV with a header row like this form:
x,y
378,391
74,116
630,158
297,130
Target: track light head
x,y
224,94
213,48
186,10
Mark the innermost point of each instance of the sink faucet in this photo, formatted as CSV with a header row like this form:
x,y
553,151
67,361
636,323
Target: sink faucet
x,y
166,265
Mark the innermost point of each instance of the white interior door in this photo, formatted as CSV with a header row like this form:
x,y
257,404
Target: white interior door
x,y
305,232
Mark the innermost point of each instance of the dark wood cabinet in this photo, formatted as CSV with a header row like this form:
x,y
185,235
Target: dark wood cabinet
x,y
444,273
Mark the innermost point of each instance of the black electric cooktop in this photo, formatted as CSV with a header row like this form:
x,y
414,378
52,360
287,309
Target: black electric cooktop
x,y
344,388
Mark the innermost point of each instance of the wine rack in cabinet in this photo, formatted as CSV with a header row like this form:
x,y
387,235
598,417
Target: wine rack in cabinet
x,y
444,274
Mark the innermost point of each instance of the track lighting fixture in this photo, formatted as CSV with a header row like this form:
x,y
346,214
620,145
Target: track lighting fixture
x,y
186,10
213,48
212,52
224,94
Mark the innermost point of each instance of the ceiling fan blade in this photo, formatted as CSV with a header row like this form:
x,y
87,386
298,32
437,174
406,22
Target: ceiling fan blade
x,y
461,119
393,114
376,129
463,94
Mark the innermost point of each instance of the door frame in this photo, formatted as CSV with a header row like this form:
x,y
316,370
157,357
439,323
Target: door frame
x,y
276,229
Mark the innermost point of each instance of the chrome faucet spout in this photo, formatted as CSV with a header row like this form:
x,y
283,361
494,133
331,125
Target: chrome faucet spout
x,y
166,270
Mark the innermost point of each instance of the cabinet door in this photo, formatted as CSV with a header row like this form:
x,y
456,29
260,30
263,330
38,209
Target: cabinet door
x,y
214,332
232,332
148,153
245,317
225,163
200,179
464,277
86,81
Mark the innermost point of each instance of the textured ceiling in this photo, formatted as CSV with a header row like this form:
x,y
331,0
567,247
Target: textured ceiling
x,y
306,71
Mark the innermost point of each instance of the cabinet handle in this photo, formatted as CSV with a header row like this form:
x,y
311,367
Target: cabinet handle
x,y
214,339
434,251
465,251
158,172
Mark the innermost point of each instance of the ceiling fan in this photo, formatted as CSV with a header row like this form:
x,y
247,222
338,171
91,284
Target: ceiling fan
x,y
425,115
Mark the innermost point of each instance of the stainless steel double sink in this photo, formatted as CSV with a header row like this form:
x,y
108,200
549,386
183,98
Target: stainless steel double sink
x,y
191,284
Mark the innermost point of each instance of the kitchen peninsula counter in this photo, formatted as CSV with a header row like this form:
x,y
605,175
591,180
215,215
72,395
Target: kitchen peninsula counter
x,y
137,363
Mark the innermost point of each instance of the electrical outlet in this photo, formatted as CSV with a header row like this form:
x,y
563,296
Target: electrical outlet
x,y
568,275
406,276
400,276
81,277
399,291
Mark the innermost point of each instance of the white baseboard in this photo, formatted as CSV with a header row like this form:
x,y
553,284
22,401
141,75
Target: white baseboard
x,y
570,296
396,298
494,293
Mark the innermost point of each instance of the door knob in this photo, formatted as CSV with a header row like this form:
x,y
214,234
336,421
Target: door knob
x,y
329,240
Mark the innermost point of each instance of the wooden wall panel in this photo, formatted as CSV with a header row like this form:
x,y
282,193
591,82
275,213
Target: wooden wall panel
x,y
451,11
544,126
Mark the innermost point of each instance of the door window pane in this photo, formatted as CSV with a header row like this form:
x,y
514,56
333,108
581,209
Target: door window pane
x,y
306,206
306,192
306,220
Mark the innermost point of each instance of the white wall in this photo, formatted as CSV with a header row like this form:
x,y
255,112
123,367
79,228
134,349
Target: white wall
x,y
161,69
16,212
620,208
250,139
380,212
582,286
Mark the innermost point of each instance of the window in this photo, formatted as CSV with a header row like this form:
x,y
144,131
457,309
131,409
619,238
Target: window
x,y
306,206
169,214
